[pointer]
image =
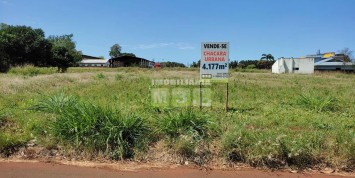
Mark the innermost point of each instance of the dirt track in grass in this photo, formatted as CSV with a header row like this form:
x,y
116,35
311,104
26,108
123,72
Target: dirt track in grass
x,y
55,170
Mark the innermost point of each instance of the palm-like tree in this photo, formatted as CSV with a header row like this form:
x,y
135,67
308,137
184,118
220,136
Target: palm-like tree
x,y
267,57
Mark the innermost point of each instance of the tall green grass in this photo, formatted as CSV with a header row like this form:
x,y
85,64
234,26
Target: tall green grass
x,y
97,128
273,148
272,121
184,122
12,137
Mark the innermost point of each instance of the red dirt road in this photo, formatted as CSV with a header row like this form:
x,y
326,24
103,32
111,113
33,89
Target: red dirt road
x,y
44,170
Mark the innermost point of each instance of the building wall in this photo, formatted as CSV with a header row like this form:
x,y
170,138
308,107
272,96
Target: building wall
x,y
93,65
305,66
280,67
347,66
294,65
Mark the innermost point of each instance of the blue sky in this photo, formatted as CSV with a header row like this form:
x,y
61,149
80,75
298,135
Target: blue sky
x,y
174,29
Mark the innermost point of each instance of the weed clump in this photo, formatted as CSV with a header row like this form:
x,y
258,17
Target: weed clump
x,y
318,103
118,77
186,132
185,122
100,76
9,144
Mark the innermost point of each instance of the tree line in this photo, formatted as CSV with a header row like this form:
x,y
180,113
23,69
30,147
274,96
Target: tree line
x,y
23,45
172,64
251,64
266,61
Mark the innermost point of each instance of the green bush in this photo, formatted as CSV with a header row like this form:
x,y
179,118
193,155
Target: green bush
x,y
31,71
251,66
255,64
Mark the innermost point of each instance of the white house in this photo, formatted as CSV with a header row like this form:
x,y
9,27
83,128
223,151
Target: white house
x,y
294,65
91,61
307,65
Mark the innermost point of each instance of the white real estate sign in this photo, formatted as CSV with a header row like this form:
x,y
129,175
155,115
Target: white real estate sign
x,y
214,61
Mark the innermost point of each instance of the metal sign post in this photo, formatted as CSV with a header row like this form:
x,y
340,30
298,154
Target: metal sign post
x,y
227,97
200,95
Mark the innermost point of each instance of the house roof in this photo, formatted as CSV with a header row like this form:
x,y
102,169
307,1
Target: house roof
x,y
94,61
129,59
89,57
326,62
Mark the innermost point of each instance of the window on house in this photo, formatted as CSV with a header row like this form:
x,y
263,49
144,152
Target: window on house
x,y
296,68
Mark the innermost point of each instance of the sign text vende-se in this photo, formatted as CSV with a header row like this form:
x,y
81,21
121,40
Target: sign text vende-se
x,y
214,61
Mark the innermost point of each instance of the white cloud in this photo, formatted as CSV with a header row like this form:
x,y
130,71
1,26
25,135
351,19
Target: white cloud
x,y
181,46
185,46
152,45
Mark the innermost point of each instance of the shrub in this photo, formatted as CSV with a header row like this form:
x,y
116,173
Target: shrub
x,y
31,71
251,66
263,64
255,64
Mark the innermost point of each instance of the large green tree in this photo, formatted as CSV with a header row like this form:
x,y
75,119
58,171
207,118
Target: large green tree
x,y
64,52
128,54
115,51
21,45
233,64
195,64
4,59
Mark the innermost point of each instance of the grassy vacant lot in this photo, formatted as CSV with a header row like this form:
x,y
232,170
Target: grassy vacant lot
x,y
275,121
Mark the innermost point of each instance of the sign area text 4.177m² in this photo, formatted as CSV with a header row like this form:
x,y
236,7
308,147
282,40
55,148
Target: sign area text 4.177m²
x,y
214,61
